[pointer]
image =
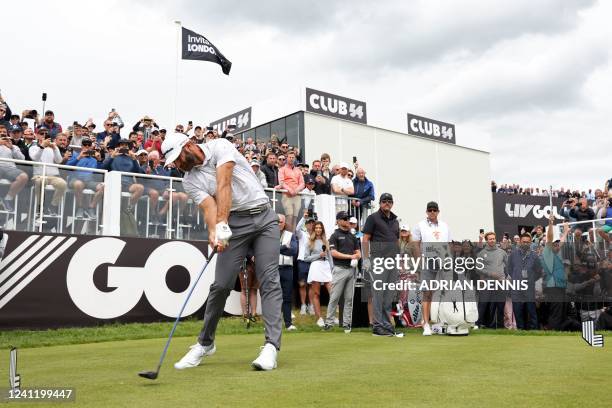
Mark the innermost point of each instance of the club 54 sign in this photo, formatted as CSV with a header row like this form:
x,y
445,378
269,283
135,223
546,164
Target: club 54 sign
x,y
242,120
335,106
431,129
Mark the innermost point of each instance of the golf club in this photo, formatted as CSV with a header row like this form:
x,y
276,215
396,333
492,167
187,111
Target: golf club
x,y
152,375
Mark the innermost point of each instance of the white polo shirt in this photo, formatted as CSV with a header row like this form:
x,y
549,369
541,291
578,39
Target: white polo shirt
x,y
342,182
201,181
428,232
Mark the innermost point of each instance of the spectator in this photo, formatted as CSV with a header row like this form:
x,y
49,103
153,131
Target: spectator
x,y
260,175
49,122
342,186
154,143
288,249
45,151
145,125
270,170
308,193
320,269
380,240
108,138
61,141
345,251
81,180
155,186
5,115
28,140
117,121
523,264
16,133
495,262
142,157
290,179
606,212
9,170
322,185
123,160
303,232
363,191
136,141
581,213
325,160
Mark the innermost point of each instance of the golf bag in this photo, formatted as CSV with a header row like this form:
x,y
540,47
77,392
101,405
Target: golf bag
x,y
454,311
408,311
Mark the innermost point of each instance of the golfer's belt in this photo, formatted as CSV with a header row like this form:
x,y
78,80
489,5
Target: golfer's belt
x,y
251,211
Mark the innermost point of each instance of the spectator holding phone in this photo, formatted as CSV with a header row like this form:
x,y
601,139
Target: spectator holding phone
x,y
45,151
80,180
322,185
145,125
49,122
9,171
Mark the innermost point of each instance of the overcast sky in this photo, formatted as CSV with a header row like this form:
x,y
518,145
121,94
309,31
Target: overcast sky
x,y
528,81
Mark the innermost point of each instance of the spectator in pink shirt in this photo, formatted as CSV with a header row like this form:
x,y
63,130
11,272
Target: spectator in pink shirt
x,y
290,178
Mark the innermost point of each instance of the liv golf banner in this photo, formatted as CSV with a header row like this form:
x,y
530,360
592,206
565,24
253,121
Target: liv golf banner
x,y
196,47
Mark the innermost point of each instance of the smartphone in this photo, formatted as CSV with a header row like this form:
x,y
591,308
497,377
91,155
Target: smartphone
x,y
44,96
191,123
113,110
481,231
151,163
209,128
354,159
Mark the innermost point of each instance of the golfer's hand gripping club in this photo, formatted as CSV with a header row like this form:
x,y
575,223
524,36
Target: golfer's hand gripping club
x,y
223,233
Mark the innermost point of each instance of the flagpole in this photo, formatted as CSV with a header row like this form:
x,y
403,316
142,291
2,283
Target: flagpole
x,y
176,70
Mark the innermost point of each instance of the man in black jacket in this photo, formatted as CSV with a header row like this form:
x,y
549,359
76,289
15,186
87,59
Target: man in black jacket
x,y
271,170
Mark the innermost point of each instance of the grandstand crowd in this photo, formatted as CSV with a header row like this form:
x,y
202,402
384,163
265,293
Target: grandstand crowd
x,y
583,267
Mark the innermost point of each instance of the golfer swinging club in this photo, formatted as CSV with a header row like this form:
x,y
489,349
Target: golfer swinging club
x,y
238,215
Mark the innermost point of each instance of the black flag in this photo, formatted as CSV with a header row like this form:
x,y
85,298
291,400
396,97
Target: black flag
x,y
197,47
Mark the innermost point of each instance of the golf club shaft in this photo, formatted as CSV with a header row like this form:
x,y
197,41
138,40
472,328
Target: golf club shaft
x,y
178,318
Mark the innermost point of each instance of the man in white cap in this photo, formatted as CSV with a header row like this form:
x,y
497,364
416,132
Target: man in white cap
x,y
239,218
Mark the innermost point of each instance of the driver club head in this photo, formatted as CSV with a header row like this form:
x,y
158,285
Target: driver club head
x,y
151,375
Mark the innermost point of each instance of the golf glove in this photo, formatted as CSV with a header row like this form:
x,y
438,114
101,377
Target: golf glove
x,y
354,263
367,264
223,233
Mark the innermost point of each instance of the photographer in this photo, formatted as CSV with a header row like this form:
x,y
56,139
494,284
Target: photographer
x,y
322,185
16,134
122,159
9,170
154,143
45,151
107,138
87,157
145,125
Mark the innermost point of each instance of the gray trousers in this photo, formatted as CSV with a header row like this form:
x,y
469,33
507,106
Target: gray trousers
x,y
343,283
382,300
259,232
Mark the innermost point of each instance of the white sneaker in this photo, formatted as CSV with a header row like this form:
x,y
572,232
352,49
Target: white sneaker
x,y
194,356
267,358
311,310
426,330
303,310
398,334
291,328
320,322
336,321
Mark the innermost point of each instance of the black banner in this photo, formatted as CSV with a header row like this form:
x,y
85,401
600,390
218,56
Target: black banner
x,y
55,280
336,106
431,129
196,47
241,119
511,212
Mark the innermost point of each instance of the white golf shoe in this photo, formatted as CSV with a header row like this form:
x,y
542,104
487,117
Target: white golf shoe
x,y
320,322
303,310
194,356
267,358
426,330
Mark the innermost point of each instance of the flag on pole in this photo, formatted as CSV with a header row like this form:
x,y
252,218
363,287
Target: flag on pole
x,y
196,47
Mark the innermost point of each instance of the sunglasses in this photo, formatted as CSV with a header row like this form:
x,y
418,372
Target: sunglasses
x,y
387,201
432,210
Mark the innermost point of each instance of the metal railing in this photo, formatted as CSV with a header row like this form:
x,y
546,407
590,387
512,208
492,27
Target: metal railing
x,y
182,217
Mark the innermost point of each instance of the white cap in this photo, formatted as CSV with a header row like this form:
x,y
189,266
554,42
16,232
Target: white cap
x,y
172,146
141,151
353,220
404,227
254,163
343,165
